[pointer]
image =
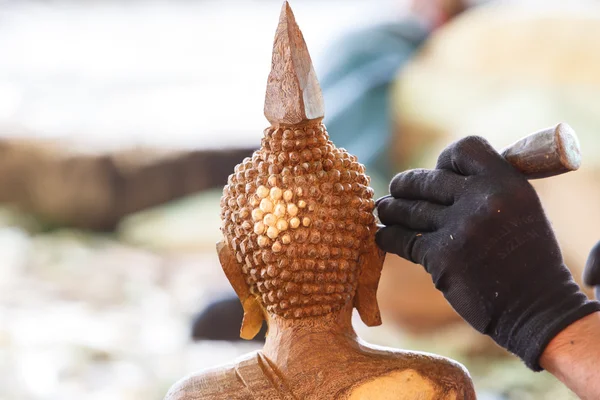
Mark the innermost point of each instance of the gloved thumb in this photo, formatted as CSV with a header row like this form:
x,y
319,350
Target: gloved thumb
x,y
591,273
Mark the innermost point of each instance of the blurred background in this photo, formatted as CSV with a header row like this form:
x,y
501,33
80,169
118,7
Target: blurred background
x,y
120,121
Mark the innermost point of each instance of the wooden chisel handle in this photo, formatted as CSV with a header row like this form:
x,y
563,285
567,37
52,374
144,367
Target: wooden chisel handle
x,y
549,152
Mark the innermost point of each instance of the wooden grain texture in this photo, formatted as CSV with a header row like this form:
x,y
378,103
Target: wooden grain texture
x,y
253,312
365,300
300,252
293,91
321,358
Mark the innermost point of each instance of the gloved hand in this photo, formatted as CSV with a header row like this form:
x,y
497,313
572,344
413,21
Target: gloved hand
x,y
591,273
477,226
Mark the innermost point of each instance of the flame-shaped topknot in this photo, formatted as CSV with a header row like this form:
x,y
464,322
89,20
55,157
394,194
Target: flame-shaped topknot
x,y
293,91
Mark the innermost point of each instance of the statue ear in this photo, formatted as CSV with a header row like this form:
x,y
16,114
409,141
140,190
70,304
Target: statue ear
x,y
253,312
365,300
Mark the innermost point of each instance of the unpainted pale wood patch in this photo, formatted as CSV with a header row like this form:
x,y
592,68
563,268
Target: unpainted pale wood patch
x,y
399,385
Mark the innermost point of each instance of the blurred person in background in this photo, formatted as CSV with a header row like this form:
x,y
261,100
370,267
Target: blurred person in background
x,y
357,82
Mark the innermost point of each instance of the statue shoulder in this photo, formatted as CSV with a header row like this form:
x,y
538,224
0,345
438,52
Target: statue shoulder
x,y
219,383
212,384
451,379
417,374
444,381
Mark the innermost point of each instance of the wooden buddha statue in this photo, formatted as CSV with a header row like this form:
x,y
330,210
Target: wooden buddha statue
x,y
299,251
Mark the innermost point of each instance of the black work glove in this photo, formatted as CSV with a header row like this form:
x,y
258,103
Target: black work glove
x,y
591,273
477,226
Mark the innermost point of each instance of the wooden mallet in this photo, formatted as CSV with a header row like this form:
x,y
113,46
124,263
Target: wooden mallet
x,y
549,152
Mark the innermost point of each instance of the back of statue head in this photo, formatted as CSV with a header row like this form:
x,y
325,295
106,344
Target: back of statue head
x,y
297,216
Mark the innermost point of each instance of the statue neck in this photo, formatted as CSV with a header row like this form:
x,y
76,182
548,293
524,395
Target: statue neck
x,y
293,341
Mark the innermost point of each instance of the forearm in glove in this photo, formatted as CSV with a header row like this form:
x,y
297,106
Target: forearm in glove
x,y
477,226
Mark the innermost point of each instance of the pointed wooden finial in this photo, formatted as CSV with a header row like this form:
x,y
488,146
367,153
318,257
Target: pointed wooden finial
x,y
293,91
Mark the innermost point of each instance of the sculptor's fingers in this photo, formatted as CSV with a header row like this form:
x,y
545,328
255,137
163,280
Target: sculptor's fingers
x,y
472,155
399,240
436,186
417,215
